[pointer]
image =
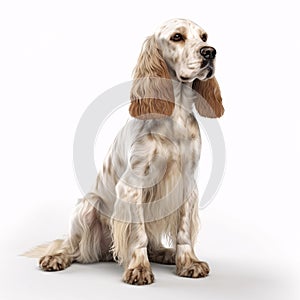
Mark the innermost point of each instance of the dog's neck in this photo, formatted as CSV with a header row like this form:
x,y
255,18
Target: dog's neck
x,y
184,99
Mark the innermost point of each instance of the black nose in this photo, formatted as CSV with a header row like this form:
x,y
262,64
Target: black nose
x,y
208,52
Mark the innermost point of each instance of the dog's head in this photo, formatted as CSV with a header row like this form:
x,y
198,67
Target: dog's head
x,y
179,51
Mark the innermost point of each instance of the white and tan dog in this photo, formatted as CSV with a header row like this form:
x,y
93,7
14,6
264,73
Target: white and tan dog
x,y
146,189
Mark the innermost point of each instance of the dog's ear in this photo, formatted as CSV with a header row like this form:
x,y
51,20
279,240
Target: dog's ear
x,y
152,91
208,100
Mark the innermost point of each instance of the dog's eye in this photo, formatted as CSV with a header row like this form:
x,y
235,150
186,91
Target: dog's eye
x,y
204,37
177,37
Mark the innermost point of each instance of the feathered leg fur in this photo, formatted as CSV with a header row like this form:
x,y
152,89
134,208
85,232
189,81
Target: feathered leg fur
x,y
89,240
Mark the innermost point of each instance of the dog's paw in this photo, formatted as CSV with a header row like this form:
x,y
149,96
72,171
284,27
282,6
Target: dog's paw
x,y
138,276
194,270
56,262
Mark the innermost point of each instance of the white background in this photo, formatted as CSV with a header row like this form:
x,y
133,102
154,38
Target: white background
x,y
56,57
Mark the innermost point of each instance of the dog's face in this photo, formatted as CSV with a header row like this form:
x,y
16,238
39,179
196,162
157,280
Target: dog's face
x,y
183,44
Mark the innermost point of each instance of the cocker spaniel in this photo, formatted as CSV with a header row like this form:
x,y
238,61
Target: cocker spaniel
x,y
145,193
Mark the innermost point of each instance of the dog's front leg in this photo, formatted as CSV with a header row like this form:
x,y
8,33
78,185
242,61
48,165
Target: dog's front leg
x,y
137,269
129,235
187,264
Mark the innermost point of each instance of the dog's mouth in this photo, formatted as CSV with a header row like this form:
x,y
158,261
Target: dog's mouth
x,y
207,72
210,72
202,71
185,79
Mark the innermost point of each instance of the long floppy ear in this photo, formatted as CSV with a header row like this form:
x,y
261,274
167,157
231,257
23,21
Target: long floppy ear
x,y
209,100
152,91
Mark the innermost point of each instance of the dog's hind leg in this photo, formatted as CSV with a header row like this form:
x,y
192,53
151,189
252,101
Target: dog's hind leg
x,y
89,239
162,255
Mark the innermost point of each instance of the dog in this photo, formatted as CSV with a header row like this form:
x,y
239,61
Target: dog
x,y
146,191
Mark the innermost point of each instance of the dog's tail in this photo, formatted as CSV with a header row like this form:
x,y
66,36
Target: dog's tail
x,y
44,249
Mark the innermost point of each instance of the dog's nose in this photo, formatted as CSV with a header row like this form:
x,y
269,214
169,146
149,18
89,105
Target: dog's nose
x,y
208,52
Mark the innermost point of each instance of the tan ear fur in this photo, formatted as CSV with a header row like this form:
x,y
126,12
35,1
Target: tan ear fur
x,y
152,92
209,101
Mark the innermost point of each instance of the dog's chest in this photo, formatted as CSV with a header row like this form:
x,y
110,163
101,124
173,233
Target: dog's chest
x,y
188,144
